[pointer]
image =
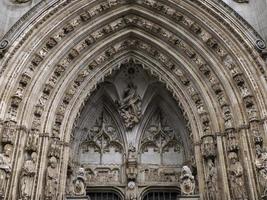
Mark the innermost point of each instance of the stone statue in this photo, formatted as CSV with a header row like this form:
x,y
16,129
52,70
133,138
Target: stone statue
x,y
5,168
27,177
261,164
187,181
51,180
130,106
236,177
79,188
211,181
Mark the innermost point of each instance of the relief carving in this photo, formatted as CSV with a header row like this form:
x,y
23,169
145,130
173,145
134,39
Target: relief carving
x,y
160,174
130,106
79,187
102,175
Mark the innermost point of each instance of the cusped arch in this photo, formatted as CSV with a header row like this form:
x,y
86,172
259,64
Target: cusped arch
x,y
195,56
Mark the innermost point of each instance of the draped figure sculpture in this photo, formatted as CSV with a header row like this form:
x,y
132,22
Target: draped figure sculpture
x,y
27,177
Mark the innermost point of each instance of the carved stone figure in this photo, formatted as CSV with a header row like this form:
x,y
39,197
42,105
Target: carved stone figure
x,y
131,191
261,164
187,181
232,140
9,132
51,180
132,163
32,140
236,173
208,147
130,106
211,181
5,168
79,188
27,177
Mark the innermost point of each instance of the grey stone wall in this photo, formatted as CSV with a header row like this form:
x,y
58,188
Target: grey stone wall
x,y
10,12
255,12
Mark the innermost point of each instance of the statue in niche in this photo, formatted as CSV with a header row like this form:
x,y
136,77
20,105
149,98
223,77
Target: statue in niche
x,y
236,173
261,164
187,181
130,106
79,188
51,180
211,180
27,177
5,168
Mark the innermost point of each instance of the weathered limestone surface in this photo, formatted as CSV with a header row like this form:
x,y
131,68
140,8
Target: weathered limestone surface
x,y
255,12
91,90
10,13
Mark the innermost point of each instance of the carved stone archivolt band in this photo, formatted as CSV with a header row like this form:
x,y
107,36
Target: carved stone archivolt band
x,y
215,74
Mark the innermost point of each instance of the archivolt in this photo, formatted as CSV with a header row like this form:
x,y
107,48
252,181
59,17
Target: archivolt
x,y
211,68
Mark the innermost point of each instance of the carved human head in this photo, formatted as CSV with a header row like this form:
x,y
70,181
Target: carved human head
x,y
53,162
232,157
8,148
34,157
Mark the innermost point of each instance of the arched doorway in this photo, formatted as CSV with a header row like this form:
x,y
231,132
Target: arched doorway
x,y
210,66
131,134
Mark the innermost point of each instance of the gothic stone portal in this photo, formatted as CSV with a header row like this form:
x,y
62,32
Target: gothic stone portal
x,y
131,135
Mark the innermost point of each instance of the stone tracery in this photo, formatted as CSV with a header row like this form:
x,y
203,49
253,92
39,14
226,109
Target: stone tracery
x,y
242,83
